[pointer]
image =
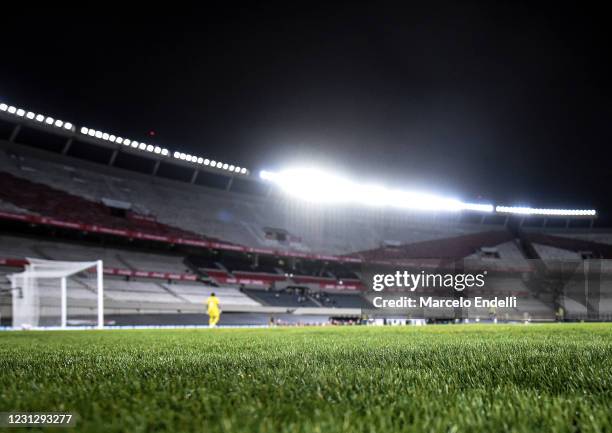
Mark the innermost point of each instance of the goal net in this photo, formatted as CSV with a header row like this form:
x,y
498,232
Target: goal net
x,y
40,293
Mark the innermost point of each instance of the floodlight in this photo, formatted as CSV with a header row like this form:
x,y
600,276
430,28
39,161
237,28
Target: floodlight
x,y
477,207
119,140
524,210
317,186
264,174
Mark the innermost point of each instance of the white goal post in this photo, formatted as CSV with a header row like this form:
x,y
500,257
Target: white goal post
x,y
28,291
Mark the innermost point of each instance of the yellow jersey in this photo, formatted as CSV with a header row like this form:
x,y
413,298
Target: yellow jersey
x,y
212,303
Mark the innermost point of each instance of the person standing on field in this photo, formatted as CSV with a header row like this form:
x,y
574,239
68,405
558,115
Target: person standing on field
x,y
214,313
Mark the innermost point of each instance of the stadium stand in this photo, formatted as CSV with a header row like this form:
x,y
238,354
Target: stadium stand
x,y
339,300
166,245
284,298
207,213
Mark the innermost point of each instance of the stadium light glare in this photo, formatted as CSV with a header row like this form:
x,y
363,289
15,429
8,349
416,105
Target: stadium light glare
x,y
524,210
105,136
3,107
206,161
39,118
225,166
164,152
12,109
20,112
126,142
317,186
30,115
49,120
266,175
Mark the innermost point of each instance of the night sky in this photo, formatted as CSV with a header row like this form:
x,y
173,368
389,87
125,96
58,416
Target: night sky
x,y
505,102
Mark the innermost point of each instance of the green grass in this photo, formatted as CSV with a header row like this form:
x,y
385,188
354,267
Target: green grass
x,y
474,378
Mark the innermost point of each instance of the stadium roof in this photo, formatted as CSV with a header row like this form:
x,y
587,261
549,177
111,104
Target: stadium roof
x,y
308,184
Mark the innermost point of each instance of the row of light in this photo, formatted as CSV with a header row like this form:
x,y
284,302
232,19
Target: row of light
x,y
316,186
211,163
48,120
162,151
124,141
545,212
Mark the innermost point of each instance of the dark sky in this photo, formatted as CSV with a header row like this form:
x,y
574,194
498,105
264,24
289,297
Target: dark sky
x,y
499,100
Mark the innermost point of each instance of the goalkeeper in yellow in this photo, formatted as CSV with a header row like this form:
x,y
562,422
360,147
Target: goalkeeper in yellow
x,y
214,313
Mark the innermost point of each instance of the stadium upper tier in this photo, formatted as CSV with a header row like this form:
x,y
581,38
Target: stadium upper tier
x,y
126,200
112,200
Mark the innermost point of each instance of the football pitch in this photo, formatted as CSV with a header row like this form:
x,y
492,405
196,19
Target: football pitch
x,y
477,378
